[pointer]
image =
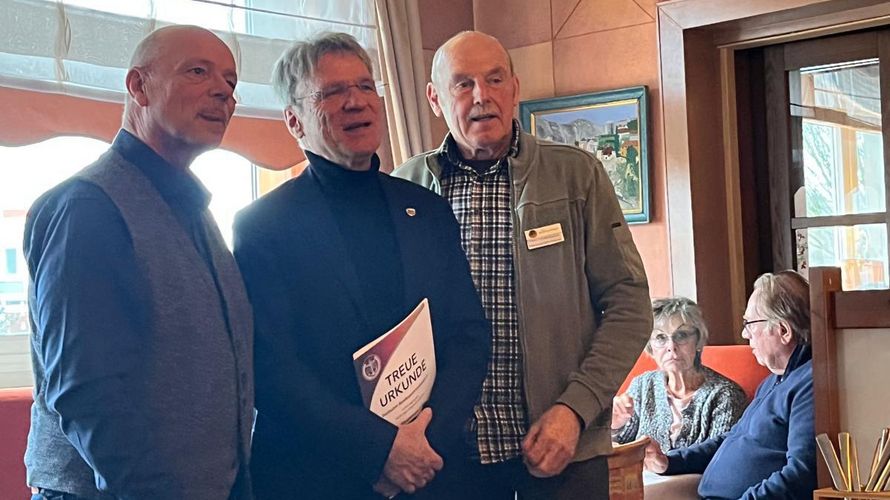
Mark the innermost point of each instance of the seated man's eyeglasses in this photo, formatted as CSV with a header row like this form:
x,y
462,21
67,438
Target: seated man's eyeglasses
x,y
339,92
680,337
747,322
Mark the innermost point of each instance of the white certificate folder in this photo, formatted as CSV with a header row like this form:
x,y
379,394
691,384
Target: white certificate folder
x,y
396,371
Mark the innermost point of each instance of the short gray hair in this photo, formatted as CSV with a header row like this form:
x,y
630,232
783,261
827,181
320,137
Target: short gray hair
x,y
297,64
785,296
688,311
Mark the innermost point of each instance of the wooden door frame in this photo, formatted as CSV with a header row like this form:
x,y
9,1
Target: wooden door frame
x,y
697,44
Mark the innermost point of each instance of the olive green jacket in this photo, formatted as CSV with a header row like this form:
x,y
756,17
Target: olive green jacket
x,y
583,303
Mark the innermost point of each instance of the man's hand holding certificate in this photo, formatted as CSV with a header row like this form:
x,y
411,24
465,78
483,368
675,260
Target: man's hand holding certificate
x,y
396,373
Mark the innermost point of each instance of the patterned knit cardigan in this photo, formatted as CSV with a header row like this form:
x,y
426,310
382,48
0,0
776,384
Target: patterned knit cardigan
x,y
714,409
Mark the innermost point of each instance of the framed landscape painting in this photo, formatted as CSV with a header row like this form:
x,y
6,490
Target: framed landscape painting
x,y
610,125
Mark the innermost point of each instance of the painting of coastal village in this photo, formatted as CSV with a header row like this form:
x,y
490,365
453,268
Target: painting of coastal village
x,y
612,132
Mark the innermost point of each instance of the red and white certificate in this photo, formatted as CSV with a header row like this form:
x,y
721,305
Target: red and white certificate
x,y
396,371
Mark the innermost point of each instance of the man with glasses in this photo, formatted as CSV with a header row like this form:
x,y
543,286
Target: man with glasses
x,y
559,275
333,259
771,452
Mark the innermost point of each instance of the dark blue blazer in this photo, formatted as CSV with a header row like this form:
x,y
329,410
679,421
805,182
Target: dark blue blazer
x,y
313,433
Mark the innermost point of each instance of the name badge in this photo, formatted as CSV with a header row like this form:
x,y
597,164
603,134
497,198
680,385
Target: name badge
x,y
544,236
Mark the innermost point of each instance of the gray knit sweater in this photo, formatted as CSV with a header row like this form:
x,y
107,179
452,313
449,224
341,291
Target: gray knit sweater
x,y
714,408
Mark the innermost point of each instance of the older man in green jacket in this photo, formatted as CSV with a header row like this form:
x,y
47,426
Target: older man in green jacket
x,y
559,277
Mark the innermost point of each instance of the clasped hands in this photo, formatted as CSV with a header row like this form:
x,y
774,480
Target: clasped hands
x,y
412,462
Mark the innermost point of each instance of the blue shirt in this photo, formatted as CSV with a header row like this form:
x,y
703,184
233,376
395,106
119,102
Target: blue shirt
x,y
771,452
86,284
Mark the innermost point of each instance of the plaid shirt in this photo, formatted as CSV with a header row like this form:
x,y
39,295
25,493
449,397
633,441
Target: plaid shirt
x,y
482,205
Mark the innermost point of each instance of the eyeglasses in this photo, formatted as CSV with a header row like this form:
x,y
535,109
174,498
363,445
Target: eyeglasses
x,y
680,337
746,322
339,93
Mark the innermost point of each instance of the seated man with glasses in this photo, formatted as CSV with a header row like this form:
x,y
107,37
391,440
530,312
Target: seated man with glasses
x,y
682,402
771,452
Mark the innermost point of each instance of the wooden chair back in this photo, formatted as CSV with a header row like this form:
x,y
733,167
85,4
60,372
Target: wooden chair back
x,y
850,334
626,470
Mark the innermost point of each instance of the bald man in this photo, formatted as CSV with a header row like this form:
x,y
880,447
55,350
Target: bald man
x,y
142,331
559,276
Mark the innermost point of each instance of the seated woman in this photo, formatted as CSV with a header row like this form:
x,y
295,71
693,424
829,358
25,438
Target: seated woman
x,y
682,402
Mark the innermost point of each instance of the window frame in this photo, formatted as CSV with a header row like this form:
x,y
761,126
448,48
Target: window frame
x,y
783,172
15,349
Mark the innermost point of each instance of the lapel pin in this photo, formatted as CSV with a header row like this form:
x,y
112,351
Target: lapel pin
x,y
411,212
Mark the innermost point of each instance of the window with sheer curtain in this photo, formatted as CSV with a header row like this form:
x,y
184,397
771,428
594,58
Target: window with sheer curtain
x,y
231,179
82,47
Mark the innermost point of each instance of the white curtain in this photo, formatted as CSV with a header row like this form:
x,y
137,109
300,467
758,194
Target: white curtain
x,y
82,47
405,78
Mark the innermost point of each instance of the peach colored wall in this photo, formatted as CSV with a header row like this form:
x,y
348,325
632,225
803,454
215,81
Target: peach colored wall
x,y
566,47
439,21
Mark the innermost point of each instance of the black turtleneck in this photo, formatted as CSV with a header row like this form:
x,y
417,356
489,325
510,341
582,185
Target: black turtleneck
x,y
359,206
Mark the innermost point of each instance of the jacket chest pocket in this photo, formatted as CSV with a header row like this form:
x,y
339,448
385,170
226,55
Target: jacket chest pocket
x,y
554,290
548,228
551,248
